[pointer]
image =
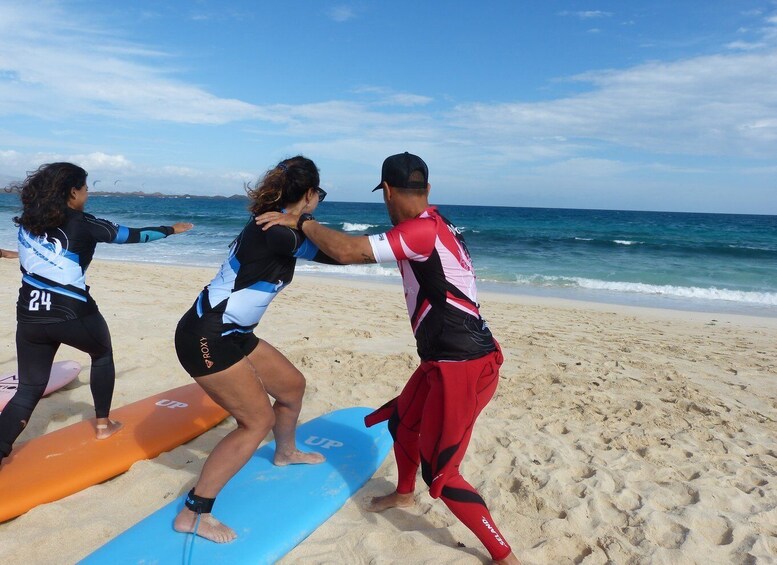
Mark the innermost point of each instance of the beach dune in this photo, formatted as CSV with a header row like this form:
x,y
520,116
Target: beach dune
x,y
617,435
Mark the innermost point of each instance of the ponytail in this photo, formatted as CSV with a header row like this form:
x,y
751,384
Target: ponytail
x,y
283,185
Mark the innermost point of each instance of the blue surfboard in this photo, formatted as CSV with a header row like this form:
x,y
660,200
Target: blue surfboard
x,y
271,508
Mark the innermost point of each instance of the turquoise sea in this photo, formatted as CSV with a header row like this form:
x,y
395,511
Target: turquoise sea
x,y
686,261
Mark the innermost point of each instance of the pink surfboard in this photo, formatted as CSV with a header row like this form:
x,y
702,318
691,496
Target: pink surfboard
x,y
62,373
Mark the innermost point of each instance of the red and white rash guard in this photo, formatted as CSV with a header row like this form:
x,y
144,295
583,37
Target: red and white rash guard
x,y
440,287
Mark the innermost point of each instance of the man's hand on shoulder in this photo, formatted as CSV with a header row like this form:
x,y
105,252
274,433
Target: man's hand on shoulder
x,y
343,248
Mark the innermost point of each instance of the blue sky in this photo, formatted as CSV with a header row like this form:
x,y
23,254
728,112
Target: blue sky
x,y
620,105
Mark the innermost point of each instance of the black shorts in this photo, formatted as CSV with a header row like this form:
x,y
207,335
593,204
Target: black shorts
x,y
201,348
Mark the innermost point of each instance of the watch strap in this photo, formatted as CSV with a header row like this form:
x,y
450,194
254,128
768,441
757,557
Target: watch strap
x,y
302,219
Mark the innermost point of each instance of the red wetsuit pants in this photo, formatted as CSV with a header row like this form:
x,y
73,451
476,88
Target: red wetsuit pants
x,y
431,422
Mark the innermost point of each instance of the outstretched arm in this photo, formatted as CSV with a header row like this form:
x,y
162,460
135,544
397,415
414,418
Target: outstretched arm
x,y
343,248
180,227
8,254
144,235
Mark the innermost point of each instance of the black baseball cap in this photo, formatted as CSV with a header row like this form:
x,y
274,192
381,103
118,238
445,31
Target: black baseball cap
x,y
398,172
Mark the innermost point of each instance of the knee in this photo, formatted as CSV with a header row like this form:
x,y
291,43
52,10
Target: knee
x,y
104,359
259,425
267,421
298,383
28,395
293,389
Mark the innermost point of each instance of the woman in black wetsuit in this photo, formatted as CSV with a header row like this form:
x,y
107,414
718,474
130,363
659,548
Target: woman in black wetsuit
x,y
216,344
57,240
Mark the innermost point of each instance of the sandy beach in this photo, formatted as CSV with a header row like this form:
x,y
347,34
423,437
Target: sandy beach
x,y
617,435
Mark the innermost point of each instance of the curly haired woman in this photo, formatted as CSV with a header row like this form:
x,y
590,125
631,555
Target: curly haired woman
x,y
217,347
57,240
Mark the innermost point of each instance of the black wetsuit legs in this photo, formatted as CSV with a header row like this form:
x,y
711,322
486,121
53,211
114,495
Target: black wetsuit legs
x,y
36,346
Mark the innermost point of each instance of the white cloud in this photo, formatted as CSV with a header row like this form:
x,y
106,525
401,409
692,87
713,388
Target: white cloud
x,y
581,167
694,107
180,171
238,176
11,158
102,161
341,13
407,100
389,97
326,119
18,160
587,14
46,74
745,46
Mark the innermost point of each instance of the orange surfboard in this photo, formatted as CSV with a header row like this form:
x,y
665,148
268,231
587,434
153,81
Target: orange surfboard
x,y
70,459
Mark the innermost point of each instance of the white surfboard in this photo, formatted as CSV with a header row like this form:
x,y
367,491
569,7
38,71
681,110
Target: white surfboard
x,y
271,508
62,373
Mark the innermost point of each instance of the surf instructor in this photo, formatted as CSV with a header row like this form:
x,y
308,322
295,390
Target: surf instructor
x,y
57,240
216,345
431,420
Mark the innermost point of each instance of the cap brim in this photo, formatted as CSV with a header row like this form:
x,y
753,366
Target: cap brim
x,y
378,187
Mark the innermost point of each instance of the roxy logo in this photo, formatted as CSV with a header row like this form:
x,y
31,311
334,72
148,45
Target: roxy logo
x,y
323,442
172,404
205,352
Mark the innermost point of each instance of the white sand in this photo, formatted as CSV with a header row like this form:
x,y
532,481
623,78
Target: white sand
x,y
618,435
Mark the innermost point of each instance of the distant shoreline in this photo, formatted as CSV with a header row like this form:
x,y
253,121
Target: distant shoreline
x,y
142,194
161,195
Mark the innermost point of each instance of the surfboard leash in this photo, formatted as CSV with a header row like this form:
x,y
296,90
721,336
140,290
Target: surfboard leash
x,y
190,543
200,505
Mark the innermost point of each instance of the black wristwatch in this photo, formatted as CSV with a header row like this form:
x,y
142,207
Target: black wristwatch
x,y
304,218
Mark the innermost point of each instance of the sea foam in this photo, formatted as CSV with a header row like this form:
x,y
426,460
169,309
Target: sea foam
x,y
692,292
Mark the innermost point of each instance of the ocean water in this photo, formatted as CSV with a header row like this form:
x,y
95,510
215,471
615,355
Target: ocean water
x,y
686,261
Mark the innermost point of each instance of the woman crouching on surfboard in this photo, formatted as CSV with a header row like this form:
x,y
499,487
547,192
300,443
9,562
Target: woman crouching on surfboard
x,y
57,240
216,344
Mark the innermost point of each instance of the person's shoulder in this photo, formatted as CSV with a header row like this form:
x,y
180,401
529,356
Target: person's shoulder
x,y
251,230
277,228
279,231
426,220
432,212
75,218
273,235
72,213
79,215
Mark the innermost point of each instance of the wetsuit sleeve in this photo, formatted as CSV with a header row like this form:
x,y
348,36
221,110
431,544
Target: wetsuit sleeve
x,y
142,235
287,241
411,240
283,241
108,232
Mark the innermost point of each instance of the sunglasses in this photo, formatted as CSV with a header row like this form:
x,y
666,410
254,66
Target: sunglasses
x,y
321,194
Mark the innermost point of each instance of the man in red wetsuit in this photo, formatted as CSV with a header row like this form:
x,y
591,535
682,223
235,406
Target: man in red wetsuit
x,y
431,420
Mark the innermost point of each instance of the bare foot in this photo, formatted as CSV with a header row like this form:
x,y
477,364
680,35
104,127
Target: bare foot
x,y
209,527
106,427
393,500
298,457
509,560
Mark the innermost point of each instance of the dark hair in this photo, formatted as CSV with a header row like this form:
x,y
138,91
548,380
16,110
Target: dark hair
x,y
282,185
44,195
